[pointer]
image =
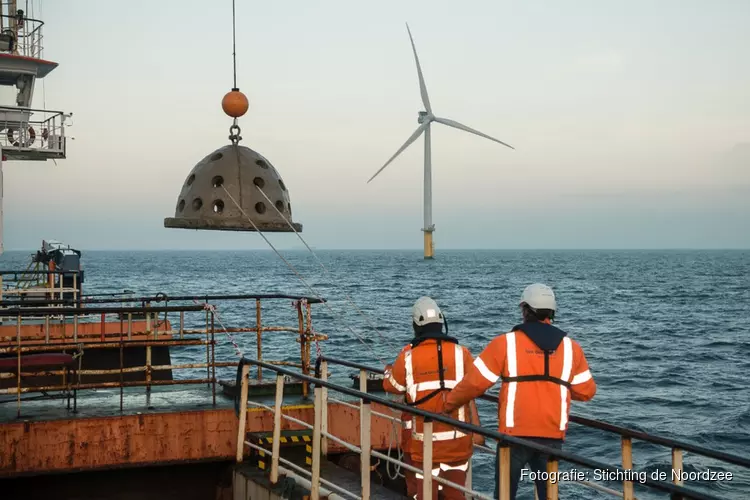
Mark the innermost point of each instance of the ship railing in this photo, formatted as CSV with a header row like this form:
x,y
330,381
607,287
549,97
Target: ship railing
x,y
21,133
141,326
26,32
627,435
53,288
71,368
321,436
305,335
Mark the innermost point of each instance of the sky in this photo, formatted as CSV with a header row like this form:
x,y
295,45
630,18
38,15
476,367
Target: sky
x,y
631,122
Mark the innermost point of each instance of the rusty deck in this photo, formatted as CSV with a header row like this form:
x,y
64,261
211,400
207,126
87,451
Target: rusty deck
x,y
180,426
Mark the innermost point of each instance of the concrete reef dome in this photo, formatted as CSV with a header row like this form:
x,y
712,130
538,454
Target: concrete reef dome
x,y
203,203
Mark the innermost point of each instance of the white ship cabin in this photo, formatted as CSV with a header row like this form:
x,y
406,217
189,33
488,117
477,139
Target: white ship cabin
x,y
25,133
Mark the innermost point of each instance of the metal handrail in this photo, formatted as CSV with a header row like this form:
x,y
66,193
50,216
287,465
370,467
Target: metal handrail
x,y
503,440
82,311
26,109
38,22
26,271
596,424
166,298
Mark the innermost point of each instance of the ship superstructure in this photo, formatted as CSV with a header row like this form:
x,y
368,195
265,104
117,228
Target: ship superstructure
x,y
26,133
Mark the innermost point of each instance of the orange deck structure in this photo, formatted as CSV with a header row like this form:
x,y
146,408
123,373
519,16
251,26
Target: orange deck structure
x,y
90,441
75,425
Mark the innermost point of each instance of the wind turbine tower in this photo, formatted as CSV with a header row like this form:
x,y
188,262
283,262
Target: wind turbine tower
x,y
425,120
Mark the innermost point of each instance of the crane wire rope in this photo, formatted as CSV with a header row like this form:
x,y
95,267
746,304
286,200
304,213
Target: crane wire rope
x,y
235,138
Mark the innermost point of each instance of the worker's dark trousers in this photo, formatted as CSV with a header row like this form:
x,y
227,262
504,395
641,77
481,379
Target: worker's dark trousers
x,y
519,458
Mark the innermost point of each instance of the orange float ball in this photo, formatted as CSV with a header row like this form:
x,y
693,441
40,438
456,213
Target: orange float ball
x,y
235,103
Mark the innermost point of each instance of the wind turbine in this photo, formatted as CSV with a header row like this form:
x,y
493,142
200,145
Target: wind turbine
x,y
425,119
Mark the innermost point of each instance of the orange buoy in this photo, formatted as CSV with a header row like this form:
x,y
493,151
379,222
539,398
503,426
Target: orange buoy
x,y
235,103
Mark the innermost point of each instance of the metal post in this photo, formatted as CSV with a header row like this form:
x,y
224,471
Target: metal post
x,y
213,358
365,421
46,329
677,466
130,326
467,484
552,483
302,342
122,363
277,429
363,381
75,328
316,442
504,472
18,381
324,409
243,413
148,376
103,327
208,349
182,324
259,336
427,460
627,463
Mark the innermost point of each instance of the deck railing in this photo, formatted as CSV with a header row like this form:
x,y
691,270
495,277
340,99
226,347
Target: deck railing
x,y
146,325
24,137
677,447
321,436
52,290
27,32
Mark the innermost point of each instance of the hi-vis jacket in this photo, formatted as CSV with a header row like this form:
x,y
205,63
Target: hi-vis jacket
x,y
416,373
541,368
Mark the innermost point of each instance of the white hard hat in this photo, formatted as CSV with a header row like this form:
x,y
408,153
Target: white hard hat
x,y
539,296
425,310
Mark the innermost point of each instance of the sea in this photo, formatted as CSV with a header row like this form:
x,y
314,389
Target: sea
x,y
665,332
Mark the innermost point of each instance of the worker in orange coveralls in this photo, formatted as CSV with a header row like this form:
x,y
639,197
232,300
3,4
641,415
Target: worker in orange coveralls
x,y
433,363
542,370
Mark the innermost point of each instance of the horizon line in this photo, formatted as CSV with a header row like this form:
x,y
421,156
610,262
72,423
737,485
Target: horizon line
x,y
519,249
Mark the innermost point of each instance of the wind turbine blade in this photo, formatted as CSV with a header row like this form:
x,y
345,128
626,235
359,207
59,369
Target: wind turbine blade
x,y
422,86
411,139
460,126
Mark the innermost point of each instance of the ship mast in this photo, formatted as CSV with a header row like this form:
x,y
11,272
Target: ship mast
x,y
26,134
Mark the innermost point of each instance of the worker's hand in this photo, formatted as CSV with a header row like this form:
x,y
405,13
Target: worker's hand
x,y
388,370
478,439
444,403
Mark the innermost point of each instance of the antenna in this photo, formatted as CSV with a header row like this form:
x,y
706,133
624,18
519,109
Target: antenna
x,y
425,119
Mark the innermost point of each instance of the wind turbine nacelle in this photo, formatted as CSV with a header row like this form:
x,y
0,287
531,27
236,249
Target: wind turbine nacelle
x,y
422,117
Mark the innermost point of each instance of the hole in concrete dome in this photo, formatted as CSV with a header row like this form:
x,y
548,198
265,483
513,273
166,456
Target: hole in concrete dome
x,y
281,183
261,163
190,179
260,207
259,182
197,204
218,206
181,205
217,181
216,156
280,205
289,206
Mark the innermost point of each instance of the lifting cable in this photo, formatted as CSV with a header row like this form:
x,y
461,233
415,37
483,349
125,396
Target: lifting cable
x,y
235,138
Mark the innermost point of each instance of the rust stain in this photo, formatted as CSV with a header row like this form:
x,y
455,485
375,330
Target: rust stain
x,y
153,438
71,448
